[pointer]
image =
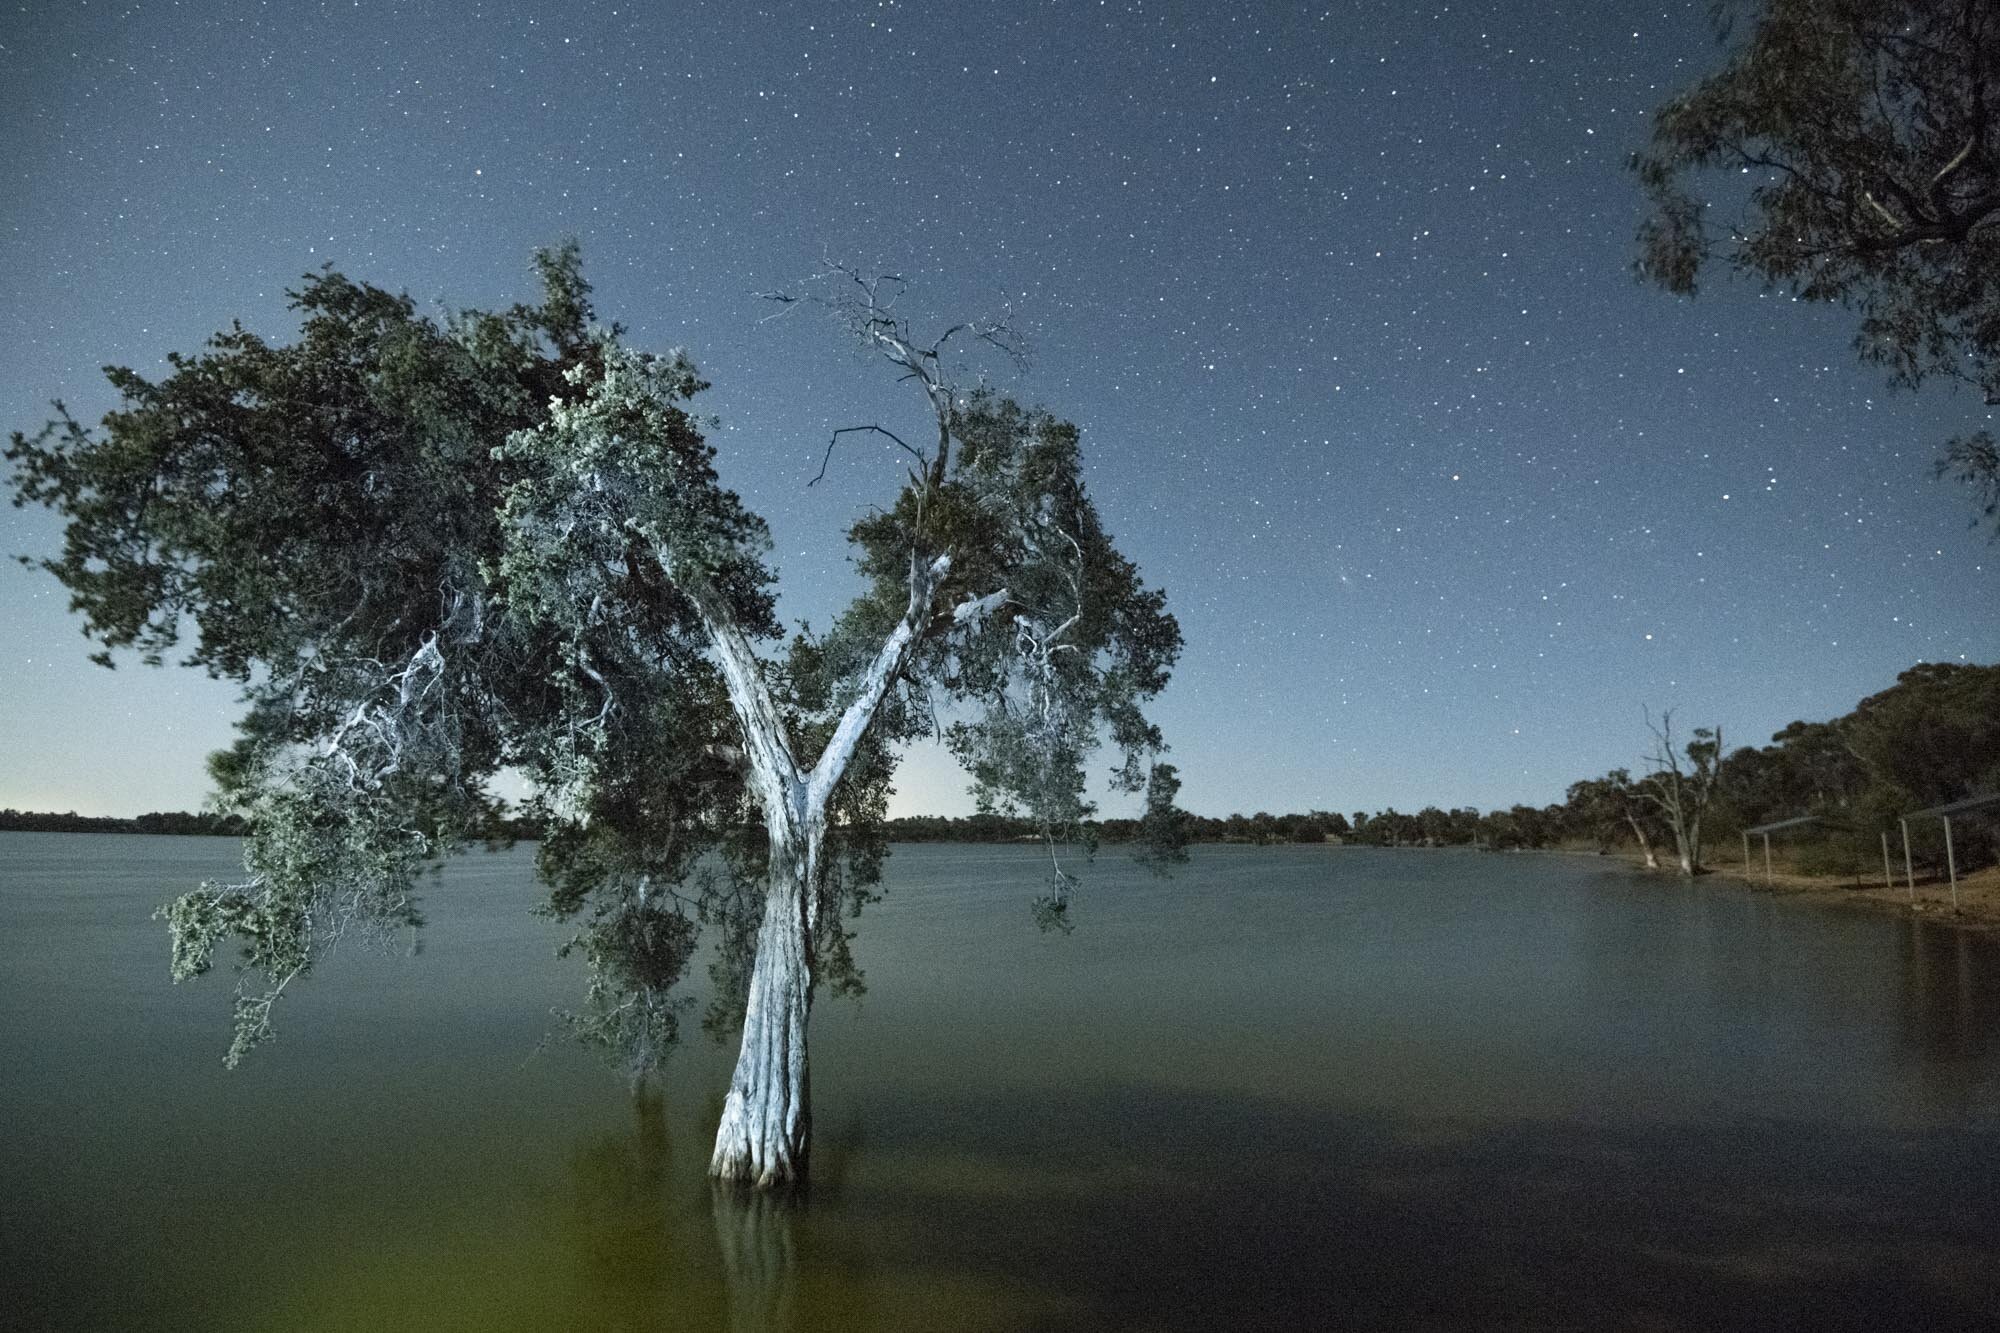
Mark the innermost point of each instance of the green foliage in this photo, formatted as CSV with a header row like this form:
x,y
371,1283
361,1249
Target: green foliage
x,y
315,872
432,549
1853,141
1974,460
330,520
1935,734
1610,810
289,500
1076,647
1932,738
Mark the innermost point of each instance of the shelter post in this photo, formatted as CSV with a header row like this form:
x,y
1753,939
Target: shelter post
x,y
1950,861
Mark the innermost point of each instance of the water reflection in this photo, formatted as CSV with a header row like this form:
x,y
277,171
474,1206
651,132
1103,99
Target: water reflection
x,y
659,1245
621,1213
1139,1208
756,1234
1950,990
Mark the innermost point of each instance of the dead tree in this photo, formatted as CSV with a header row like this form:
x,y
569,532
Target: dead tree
x,y
1682,783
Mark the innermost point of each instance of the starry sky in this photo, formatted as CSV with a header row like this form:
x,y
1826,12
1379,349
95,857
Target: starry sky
x,y
1340,295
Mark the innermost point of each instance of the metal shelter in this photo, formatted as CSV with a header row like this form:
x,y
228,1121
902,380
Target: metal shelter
x,y
1944,813
1766,830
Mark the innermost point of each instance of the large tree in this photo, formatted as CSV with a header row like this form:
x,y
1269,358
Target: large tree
x,y
1847,151
433,550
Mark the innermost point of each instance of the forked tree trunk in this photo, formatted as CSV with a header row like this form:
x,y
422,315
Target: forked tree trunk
x,y
766,1130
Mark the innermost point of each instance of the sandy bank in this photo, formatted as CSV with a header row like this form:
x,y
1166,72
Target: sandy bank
x,y
1978,899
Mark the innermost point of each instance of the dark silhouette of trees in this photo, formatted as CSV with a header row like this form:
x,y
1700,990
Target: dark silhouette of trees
x,y
179,822
1846,151
1609,809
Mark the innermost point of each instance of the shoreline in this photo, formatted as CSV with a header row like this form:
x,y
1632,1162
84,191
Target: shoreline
x,y
1978,906
1978,892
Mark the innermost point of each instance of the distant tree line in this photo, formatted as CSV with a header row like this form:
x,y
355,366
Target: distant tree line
x,y
159,821
202,823
1931,738
1521,827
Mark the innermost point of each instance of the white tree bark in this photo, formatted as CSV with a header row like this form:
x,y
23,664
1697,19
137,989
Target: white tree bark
x,y
764,1137
1645,845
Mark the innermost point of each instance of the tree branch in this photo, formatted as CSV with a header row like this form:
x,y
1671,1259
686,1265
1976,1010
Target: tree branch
x,y
879,430
875,682
773,769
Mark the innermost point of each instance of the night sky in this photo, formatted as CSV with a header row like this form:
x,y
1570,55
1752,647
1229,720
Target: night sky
x,y
1341,296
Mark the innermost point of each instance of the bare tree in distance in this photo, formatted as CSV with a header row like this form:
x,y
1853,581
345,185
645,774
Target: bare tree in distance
x,y
1681,784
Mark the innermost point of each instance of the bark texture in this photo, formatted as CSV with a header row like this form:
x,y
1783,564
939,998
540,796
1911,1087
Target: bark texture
x,y
766,1131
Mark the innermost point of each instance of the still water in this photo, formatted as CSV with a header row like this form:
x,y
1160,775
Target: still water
x,y
1288,1088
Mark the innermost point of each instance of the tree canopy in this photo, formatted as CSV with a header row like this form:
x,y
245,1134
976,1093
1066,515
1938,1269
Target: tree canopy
x,y
433,549
1846,151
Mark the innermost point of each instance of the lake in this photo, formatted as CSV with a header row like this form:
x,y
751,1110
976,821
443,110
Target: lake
x,y
1287,1088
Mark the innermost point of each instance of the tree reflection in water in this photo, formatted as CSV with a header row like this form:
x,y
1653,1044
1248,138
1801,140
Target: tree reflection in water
x,y
1950,1011
646,1257
632,1261
756,1232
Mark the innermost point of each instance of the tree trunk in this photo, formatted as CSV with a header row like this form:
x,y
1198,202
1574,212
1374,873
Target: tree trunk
x,y
1652,861
1687,844
1687,841
766,1129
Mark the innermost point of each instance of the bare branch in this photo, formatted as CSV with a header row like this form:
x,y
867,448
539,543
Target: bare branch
x,y
1937,181
879,430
